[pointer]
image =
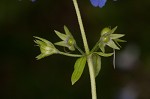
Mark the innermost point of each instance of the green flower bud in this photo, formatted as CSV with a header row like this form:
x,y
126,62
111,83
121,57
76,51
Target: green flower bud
x,y
67,39
106,39
70,44
105,30
71,41
109,38
46,47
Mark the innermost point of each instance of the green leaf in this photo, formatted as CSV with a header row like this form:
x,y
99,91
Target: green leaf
x,y
61,43
78,69
116,36
39,42
42,41
102,47
67,31
96,64
119,40
113,30
104,54
60,35
112,45
40,56
117,43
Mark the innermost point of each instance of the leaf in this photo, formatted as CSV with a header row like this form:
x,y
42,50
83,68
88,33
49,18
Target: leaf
x,y
116,36
113,30
43,41
60,35
61,43
117,43
119,40
112,45
39,42
104,54
78,69
102,47
96,64
67,31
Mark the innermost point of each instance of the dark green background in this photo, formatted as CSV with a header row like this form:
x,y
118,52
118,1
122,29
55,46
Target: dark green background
x,y
22,77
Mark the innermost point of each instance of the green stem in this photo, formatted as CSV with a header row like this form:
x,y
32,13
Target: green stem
x,y
114,59
89,59
95,47
92,77
78,48
71,55
81,26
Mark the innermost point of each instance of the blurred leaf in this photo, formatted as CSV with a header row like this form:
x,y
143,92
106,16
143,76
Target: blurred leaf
x,y
112,45
116,36
104,54
96,64
61,43
46,47
113,30
43,40
102,47
78,69
61,35
117,43
67,31
119,40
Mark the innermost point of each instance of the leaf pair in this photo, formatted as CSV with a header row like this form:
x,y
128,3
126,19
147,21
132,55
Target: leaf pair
x,y
81,62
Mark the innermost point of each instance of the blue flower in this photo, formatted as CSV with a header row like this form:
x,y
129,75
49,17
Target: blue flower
x,y
99,3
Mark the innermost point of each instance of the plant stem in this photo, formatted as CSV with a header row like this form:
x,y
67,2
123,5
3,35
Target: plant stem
x,y
89,59
81,26
71,55
77,47
95,47
92,77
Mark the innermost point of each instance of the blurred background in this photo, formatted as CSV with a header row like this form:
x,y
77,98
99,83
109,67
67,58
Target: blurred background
x,y
23,77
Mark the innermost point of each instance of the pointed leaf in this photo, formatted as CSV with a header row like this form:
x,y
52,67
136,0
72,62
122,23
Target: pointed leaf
x,y
40,56
67,31
104,54
102,47
116,36
78,69
61,43
44,40
39,42
112,45
72,48
113,30
60,35
119,40
96,64
117,43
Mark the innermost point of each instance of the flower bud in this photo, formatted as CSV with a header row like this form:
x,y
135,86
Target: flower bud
x,y
46,47
105,30
67,39
106,39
